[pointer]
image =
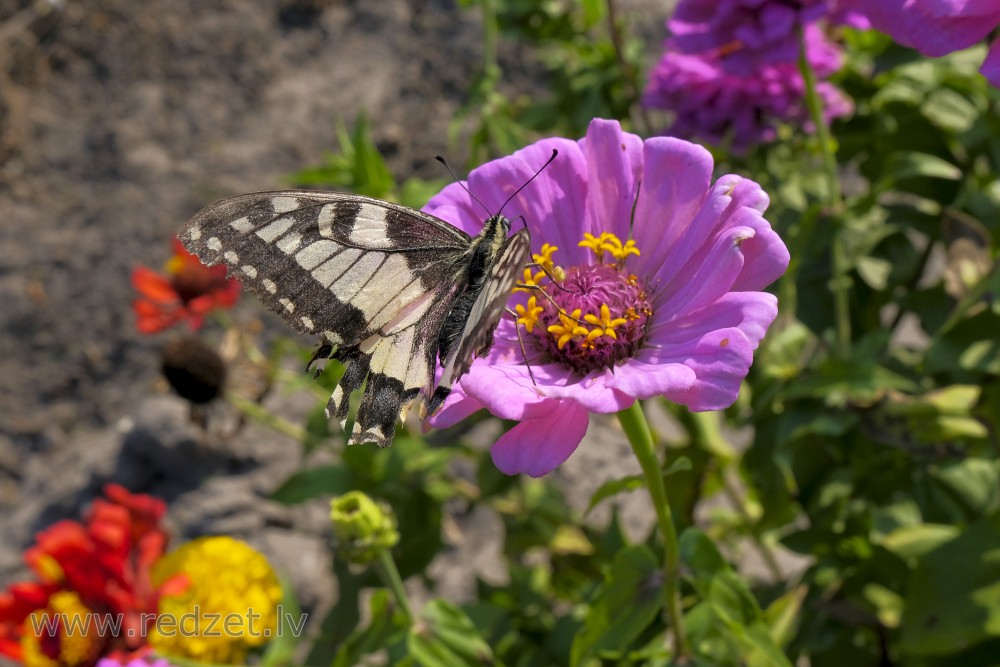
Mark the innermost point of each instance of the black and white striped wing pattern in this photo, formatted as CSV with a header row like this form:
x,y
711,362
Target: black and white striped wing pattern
x,y
477,335
374,279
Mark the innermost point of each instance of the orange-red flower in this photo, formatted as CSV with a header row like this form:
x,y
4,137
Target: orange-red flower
x,y
99,569
189,291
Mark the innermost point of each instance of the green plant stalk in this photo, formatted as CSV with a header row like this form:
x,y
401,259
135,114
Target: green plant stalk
x,y
840,282
263,416
390,577
637,431
491,31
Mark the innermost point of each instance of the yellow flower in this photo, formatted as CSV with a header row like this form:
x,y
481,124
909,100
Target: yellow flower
x,y
605,325
596,243
544,258
569,329
528,316
229,605
79,642
529,280
608,243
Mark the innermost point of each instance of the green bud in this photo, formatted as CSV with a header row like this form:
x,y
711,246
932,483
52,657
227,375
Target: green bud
x,y
362,528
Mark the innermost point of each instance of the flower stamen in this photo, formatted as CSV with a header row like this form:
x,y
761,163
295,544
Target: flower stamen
x,y
568,329
528,316
605,326
530,280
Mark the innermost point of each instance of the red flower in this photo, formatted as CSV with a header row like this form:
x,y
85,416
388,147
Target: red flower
x,y
101,566
189,292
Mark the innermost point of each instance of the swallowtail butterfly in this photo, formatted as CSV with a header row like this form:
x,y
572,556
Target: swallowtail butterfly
x,y
389,289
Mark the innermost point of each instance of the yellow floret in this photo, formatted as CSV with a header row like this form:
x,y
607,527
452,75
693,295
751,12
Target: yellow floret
x,y
228,580
568,329
605,325
528,316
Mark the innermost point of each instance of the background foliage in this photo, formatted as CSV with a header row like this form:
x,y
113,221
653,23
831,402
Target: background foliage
x,y
873,441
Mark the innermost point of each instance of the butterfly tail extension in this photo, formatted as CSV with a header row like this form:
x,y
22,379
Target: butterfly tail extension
x,y
356,366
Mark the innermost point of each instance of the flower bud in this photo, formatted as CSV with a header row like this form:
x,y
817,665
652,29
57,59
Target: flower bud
x,y
362,528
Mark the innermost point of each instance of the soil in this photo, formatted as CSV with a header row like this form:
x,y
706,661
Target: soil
x,y
118,120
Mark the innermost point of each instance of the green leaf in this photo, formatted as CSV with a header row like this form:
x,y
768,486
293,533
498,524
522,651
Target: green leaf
x,y
727,627
911,542
387,626
839,382
954,594
613,487
627,603
444,636
281,649
306,484
782,615
974,483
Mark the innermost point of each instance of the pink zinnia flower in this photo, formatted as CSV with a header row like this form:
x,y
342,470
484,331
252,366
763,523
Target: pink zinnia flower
x,y
657,291
744,35
711,103
938,27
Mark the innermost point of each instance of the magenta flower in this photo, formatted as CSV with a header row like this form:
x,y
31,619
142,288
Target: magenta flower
x,y
744,35
662,301
711,103
938,27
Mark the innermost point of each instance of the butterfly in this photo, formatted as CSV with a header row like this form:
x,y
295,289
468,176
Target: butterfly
x,y
390,290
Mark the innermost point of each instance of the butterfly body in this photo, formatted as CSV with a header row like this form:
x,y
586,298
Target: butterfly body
x,y
390,290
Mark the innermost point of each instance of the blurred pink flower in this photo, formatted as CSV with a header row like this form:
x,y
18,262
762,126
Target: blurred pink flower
x,y
938,27
711,102
745,35
663,300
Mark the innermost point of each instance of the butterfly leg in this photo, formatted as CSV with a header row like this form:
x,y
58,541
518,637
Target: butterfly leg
x,y
538,288
520,342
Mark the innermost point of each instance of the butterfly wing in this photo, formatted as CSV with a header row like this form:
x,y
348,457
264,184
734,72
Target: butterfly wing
x,y
374,279
477,335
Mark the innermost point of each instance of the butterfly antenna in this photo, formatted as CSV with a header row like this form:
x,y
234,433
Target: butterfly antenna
x,y
452,172
552,157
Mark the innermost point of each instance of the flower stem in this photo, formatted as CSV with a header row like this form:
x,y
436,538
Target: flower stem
x,y
263,416
637,431
840,282
390,577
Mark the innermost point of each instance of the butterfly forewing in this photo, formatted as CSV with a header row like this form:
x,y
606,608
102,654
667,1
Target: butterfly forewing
x,y
477,334
376,280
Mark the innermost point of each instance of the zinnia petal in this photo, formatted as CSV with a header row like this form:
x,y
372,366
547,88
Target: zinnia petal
x,y
538,446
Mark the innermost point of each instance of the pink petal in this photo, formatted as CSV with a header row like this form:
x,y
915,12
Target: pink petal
x,y
454,206
593,392
707,275
750,312
765,257
639,379
720,360
456,407
676,175
505,390
553,205
538,446
614,159
991,66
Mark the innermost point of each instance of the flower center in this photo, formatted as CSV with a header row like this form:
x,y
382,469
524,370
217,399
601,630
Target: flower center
x,y
589,316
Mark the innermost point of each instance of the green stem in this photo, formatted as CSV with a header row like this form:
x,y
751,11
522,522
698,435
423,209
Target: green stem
x,y
262,415
491,30
840,282
390,577
637,431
